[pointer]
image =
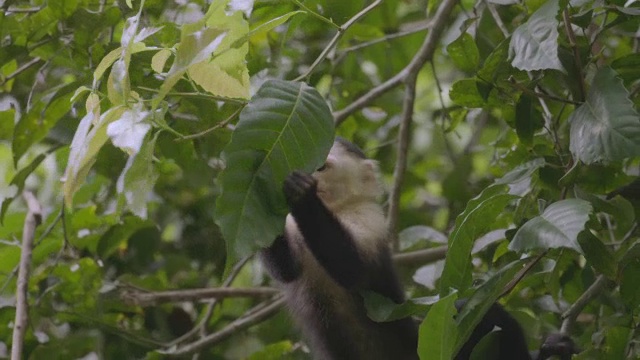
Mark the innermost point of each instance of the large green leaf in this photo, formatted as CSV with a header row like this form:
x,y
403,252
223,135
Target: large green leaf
x,y
477,219
534,44
438,331
606,127
464,52
558,226
286,126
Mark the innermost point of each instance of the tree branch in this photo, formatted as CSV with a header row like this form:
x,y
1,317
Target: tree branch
x,y
421,257
256,315
569,317
336,37
32,220
141,298
424,54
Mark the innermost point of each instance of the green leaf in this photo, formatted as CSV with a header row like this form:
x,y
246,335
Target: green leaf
x,y
477,219
17,183
606,127
466,93
160,59
35,125
534,44
87,141
438,331
382,309
482,299
628,67
528,120
597,254
521,172
62,9
630,283
275,351
557,227
286,126
138,177
464,52
267,26
118,235
226,74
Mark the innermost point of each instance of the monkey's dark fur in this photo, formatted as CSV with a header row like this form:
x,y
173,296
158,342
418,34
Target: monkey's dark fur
x,y
334,246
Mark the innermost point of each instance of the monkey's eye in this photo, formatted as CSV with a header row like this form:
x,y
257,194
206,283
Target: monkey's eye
x,y
323,167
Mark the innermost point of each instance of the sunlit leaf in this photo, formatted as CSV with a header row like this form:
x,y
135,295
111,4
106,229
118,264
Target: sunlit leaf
x,y
130,129
286,126
606,127
138,177
89,138
193,48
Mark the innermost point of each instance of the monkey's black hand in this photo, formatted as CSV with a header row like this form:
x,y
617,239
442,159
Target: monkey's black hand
x,y
559,345
297,186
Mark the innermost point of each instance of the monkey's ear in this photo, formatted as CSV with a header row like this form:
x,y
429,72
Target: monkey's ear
x,y
371,171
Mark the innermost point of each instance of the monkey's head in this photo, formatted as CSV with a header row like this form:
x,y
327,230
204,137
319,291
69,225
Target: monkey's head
x,y
348,177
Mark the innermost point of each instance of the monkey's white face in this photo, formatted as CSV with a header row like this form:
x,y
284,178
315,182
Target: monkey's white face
x,y
345,179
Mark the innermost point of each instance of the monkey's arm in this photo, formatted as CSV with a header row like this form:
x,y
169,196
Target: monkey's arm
x,y
330,243
280,262
556,344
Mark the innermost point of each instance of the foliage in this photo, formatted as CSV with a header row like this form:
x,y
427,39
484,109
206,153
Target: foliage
x,y
172,126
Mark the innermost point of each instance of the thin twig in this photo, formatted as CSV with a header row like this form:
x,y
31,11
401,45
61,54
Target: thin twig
x,y
576,53
569,317
400,167
197,94
23,10
336,37
234,327
219,125
208,313
32,220
410,76
424,54
386,38
20,70
315,14
516,279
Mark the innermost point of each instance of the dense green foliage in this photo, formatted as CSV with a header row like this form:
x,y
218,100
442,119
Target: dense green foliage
x,y
172,126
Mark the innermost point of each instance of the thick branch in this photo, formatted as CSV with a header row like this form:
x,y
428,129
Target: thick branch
x,y
32,220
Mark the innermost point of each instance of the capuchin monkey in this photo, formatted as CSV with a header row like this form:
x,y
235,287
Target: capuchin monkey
x,y
335,246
